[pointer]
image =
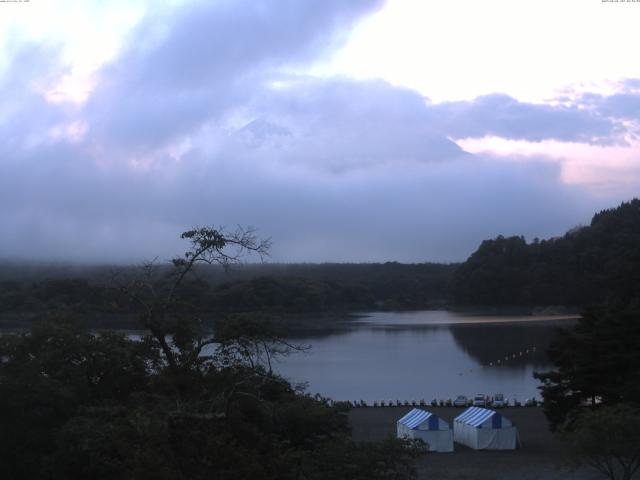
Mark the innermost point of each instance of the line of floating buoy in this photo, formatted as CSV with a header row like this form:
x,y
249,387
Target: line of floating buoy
x,y
422,403
386,403
512,356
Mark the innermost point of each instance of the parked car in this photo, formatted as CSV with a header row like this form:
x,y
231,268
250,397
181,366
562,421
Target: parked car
x,y
479,400
460,401
498,401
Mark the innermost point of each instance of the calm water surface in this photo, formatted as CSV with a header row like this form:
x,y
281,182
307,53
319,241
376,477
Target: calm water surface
x,y
426,355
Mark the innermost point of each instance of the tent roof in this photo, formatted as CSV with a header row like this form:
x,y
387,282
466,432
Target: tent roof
x,y
475,416
415,418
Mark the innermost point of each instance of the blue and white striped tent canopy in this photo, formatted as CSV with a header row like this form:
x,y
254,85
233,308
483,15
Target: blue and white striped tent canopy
x,y
416,417
476,417
421,424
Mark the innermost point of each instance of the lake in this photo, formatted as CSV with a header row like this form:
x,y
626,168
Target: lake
x,y
425,355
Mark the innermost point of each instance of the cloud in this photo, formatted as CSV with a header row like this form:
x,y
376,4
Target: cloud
x,y
631,84
67,208
502,116
624,105
200,121
25,116
337,124
209,58
322,178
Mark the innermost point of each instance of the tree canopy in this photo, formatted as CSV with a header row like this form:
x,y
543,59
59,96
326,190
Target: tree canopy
x,y
597,362
586,266
607,440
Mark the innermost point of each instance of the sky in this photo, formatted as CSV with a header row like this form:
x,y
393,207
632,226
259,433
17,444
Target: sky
x,y
359,131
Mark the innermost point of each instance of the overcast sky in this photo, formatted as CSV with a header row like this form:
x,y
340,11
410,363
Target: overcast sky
x,y
356,130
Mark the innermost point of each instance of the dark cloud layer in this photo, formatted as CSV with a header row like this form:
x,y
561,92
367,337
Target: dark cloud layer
x,y
208,59
502,116
621,106
199,123
338,124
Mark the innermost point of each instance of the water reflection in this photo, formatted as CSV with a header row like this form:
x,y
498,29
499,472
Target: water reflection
x,y
415,355
506,344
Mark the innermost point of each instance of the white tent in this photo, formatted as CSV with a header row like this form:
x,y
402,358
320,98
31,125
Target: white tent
x,y
430,428
483,429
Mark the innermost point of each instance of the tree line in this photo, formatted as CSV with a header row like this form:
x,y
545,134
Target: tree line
x,y
276,289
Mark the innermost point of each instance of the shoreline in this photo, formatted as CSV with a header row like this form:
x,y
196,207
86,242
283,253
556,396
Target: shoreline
x,y
303,321
359,318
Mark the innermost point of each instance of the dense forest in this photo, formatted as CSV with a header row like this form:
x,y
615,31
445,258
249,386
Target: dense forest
x,y
588,265
38,290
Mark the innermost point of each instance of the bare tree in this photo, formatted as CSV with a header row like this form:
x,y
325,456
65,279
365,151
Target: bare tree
x,y
177,329
253,341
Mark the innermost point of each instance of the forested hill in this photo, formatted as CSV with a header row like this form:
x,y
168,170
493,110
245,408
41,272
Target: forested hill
x,y
40,290
588,265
